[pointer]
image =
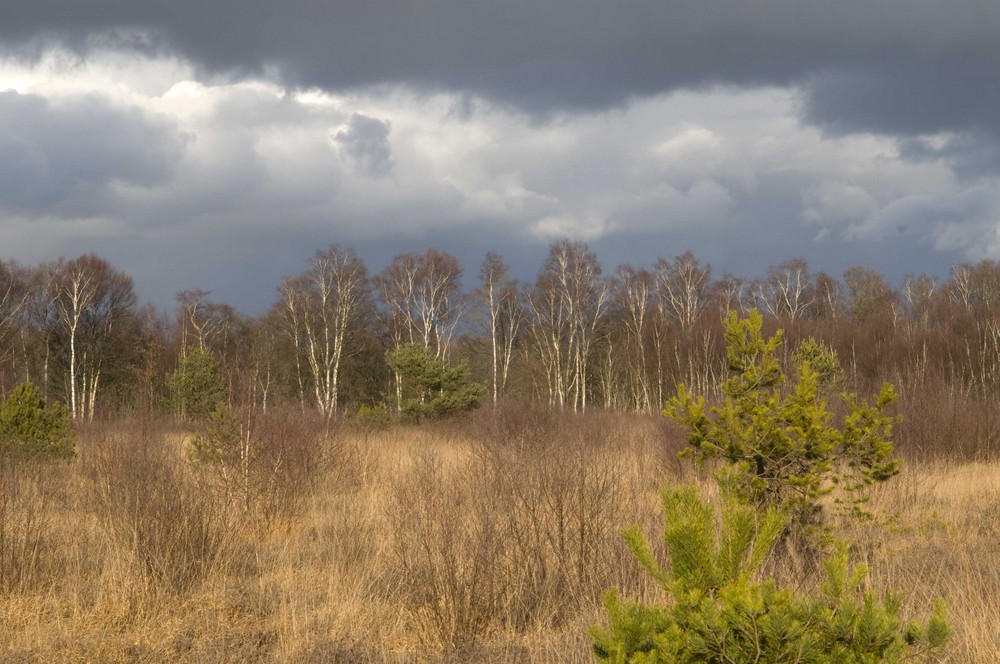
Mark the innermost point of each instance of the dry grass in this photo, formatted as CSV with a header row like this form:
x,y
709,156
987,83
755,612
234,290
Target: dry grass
x,y
487,540
944,543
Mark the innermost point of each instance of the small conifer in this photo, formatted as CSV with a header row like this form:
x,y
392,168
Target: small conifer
x,y
430,386
197,386
781,438
719,611
30,428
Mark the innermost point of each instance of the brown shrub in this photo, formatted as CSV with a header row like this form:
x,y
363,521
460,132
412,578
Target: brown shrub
x,y
523,532
28,494
269,466
150,504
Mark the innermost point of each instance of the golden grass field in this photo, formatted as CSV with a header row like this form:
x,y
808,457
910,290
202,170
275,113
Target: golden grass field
x,y
486,540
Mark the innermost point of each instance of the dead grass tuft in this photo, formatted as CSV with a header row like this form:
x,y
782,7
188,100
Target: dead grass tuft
x,y
487,540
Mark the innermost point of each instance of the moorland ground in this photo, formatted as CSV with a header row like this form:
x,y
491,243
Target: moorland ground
x,y
490,538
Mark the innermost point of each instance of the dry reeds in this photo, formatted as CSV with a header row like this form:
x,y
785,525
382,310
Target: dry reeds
x,y
490,539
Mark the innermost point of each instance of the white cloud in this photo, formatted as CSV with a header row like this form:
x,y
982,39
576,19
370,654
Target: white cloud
x,y
556,227
253,159
836,203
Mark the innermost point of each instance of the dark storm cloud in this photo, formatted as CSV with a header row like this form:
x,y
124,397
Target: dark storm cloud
x,y
956,95
907,97
366,141
57,155
970,154
901,68
559,54
249,174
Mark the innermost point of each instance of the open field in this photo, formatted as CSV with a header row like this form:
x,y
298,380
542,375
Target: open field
x,y
490,539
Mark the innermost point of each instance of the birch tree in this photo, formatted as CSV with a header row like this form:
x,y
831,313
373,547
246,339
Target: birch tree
x,y
423,301
683,293
733,294
91,301
634,295
14,296
423,295
568,305
920,292
74,289
976,286
787,290
505,314
200,319
974,290
829,304
682,288
322,306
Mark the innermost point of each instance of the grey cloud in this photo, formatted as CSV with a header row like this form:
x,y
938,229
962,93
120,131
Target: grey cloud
x,y
57,156
366,141
961,219
901,68
911,99
265,182
707,205
970,154
261,108
907,97
550,54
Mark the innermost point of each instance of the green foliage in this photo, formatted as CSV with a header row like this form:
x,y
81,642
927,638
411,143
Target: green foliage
x,y
196,387
430,387
782,439
719,613
374,417
30,428
823,360
219,440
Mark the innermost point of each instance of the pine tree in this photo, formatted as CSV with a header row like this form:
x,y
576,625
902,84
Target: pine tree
x,y
781,438
720,613
30,428
197,386
430,386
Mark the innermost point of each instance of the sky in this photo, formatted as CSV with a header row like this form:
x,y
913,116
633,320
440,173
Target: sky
x,y
217,144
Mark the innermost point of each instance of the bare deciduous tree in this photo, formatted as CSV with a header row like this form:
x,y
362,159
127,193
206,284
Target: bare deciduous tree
x,y
682,288
423,293
14,296
634,294
505,314
424,301
322,305
567,306
870,295
91,300
787,291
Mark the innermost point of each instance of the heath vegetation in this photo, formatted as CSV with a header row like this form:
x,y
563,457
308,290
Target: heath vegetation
x,y
397,468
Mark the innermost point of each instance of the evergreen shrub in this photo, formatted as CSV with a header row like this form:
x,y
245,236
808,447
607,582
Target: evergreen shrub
x,y
719,611
30,428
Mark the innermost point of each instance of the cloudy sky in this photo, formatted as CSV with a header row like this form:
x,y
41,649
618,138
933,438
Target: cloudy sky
x,y
218,143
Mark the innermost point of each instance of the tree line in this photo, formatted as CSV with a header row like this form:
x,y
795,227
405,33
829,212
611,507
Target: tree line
x,y
576,337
